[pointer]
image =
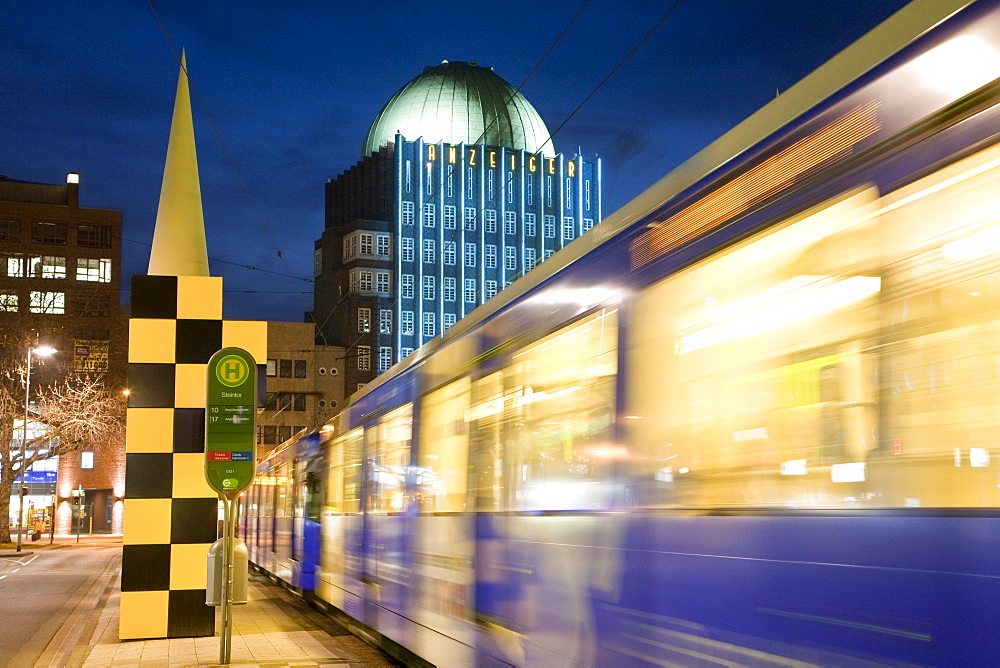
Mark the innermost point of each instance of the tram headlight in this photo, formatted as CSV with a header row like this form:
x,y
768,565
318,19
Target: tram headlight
x,y
959,66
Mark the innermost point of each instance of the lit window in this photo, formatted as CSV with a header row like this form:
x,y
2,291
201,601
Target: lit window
x,y
529,259
406,286
47,266
448,321
429,287
428,215
491,256
449,214
429,324
364,320
470,219
364,358
491,289
8,301
406,211
385,321
510,257
510,222
490,218
449,252
86,460
448,289
93,269
549,226
382,245
470,255
384,358
470,290
406,322
47,302
406,249
13,265
272,367
429,251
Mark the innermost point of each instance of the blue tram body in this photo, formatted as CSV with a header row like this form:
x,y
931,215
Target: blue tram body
x,y
749,419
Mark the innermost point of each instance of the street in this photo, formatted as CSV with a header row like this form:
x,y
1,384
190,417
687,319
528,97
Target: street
x,y
50,590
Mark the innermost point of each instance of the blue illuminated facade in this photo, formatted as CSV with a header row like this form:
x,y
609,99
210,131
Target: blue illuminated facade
x,y
419,234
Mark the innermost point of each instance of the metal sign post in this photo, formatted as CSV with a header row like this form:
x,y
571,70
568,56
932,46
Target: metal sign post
x,y
230,454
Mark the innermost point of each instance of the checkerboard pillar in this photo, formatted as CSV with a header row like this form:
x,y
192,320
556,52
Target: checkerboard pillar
x,y
170,511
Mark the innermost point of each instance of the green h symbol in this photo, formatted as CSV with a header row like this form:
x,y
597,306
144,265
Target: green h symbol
x,y
231,370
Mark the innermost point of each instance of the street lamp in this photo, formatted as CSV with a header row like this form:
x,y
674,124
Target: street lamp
x,y
44,351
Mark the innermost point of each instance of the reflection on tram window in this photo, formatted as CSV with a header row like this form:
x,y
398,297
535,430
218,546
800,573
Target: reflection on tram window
x,y
850,358
542,426
343,489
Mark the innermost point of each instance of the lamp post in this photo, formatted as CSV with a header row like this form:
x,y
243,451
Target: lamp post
x,y
44,351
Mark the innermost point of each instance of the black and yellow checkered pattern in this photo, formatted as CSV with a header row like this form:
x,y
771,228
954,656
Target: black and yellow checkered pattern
x,y
171,515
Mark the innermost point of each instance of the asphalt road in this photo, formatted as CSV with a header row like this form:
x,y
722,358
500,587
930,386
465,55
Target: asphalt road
x,y
48,592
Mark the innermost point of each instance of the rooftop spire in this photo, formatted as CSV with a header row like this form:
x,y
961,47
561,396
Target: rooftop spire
x,y
179,247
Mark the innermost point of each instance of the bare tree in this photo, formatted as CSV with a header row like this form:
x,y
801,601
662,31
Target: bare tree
x,y
74,414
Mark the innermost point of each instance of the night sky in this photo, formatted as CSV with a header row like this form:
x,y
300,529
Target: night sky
x,y
289,96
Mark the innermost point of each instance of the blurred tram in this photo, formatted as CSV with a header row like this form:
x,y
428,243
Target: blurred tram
x,y
751,418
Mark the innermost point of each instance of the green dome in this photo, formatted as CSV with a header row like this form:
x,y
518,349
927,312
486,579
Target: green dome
x,y
456,103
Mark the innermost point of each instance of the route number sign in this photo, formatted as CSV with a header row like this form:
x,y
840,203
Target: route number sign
x,y
230,417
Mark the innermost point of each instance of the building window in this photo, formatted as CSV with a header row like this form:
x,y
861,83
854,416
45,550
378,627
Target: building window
x,y
449,215
530,224
490,218
529,259
449,252
470,255
300,368
548,191
382,245
47,266
549,226
468,185
317,262
448,321
8,301
491,289
569,194
272,368
364,358
47,302
298,402
93,269
489,187
93,236
406,249
510,258
285,368
491,256
91,305
385,321
510,188
10,230
364,320
405,352
429,251
588,223
407,213
428,215
361,280
529,190
406,322
406,286
451,184
284,433
470,219
408,179
470,290
13,265
366,245
269,435
48,233
384,358
547,254
510,222
429,288
448,289
567,229
429,324
586,193
430,178
382,282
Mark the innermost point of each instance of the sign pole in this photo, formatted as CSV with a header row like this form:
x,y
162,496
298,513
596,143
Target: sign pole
x,y
230,456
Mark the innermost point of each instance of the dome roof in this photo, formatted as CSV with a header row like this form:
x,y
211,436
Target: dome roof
x,y
460,102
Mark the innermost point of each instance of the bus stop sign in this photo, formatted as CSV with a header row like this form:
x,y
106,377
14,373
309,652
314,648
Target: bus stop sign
x,y
230,417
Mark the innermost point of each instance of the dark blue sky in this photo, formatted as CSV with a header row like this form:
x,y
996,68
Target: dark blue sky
x,y
89,88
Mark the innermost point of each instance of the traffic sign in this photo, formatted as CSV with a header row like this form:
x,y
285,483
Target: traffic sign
x,y
230,436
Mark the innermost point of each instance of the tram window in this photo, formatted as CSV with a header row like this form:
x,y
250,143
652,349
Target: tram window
x,y
541,427
391,461
853,364
314,496
442,477
344,461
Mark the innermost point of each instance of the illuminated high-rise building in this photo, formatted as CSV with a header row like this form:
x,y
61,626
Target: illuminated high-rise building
x,y
458,194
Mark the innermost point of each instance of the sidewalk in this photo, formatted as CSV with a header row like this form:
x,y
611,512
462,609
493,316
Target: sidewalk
x,y
275,628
